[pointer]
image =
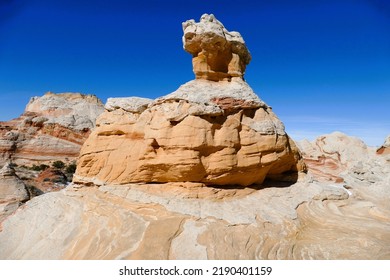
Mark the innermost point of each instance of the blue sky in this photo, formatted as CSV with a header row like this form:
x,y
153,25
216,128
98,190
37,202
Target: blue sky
x,y
322,65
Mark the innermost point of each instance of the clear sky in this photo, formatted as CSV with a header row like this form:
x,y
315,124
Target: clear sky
x,y
322,65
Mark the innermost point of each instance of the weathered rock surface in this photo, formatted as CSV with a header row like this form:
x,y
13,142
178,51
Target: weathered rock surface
x,y
51,179
72,110
311,219
129,104
53,127
385,148
217,54
337,156
305,220
345,159
178,178
207,131
214,133
12,191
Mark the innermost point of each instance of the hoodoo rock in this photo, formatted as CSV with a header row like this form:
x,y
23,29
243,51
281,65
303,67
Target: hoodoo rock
x,y
52,127
160,179
216,133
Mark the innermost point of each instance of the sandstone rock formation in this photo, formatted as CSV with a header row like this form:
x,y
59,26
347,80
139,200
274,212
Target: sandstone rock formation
x,y
51,179
311,219
12,191
216,133
347,160
177,178
385,148
306,220
217,53
53,127
334,156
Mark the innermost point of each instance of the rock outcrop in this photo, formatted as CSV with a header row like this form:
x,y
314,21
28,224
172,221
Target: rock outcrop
x,y
13,191
385,148
306,220
217,54
337,157
53,127
334,156
177,178
216,133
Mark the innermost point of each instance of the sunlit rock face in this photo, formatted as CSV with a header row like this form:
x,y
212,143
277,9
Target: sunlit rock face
x,y
337,157
175,178
385,148
213,130
52,127
13,191
217,54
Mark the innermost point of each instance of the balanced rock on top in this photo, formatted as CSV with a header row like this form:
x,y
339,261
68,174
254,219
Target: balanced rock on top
x,y
217,53
213,130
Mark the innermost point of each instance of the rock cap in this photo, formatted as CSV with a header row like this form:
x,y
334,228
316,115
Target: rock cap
x,y
129,104
217,53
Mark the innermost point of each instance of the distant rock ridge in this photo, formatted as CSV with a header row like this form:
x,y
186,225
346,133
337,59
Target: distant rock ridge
x,y
341,158
71,110
214,130
53,127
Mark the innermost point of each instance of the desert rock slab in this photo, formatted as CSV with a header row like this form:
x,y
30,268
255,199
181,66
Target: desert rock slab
x,y
193,222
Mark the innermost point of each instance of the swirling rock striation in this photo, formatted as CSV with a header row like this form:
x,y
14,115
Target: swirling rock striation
x,y
52,127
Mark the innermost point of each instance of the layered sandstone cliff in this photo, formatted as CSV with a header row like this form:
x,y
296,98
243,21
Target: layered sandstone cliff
x,y
53,127
212,131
